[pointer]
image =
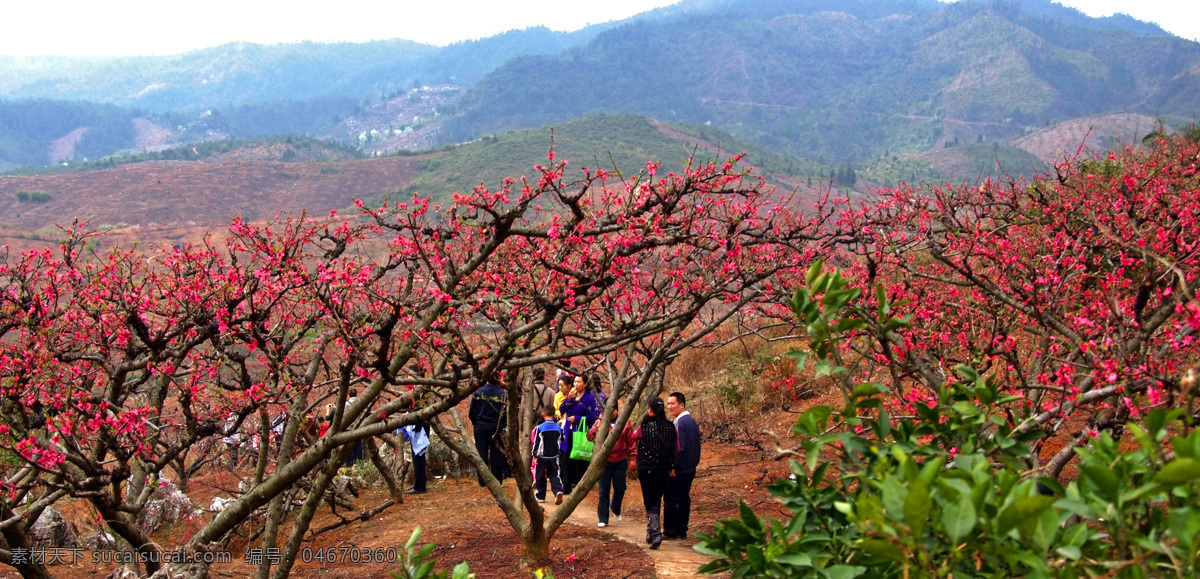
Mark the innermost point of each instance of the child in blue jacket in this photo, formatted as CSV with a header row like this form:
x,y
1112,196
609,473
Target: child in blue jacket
x,y
546,439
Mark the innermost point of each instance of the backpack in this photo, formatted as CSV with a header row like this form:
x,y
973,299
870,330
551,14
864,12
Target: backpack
x,y
539,391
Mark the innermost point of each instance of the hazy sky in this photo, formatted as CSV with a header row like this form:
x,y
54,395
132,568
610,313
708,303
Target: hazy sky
x,y
127,27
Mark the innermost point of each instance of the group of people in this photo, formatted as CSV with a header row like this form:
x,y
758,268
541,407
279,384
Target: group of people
x,y
666,451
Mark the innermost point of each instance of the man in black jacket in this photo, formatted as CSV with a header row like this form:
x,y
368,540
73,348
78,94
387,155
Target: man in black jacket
x,y
677,504
487,418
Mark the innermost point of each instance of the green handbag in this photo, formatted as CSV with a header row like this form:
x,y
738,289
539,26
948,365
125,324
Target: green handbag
x,y
581,447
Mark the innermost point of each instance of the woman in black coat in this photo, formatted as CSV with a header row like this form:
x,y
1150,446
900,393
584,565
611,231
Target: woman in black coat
x,y
657,444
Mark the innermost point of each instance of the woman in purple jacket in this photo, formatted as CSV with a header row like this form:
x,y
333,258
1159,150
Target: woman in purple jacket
x,y
581,407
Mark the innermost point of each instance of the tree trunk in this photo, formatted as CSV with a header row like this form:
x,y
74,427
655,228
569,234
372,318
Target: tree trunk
x,y
127,529
304,519
15,536
264,445
535,547
275,509
394,486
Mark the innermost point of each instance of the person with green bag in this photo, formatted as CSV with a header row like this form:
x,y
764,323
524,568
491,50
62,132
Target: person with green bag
x,y
581,447
580,408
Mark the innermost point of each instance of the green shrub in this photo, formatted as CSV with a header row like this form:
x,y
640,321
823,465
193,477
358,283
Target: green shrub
x,y
737,385
24,196
942,494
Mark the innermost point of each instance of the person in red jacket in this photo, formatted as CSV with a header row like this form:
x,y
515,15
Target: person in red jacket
x,y
616,470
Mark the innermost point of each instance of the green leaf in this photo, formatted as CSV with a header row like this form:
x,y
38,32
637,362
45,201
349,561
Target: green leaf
x,y
932,468
813,271
843,571
1146,490
752,521
813,452
1023,511
795,559
894,495
882,549
811,538
412,539
1102,478
425,551
1182,447
1044,529
959,518
917,506
884,427
848,324
1076,535
1071,552
1075,507
424,570
1179,471
462,571
820,284
800,357
865,389
1185,525
812,422
985,395
1155,421
897,323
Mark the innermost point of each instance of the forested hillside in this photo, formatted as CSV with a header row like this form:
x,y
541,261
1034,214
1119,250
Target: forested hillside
x,y
29,130
850,80
602,141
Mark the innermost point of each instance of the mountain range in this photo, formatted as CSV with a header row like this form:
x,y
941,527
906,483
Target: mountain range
x,y
905,84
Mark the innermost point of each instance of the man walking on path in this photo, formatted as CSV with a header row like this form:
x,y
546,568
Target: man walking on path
x,y
677,507
487,418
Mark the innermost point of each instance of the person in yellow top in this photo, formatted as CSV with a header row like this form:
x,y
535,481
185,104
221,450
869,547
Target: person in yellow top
x,y
564,388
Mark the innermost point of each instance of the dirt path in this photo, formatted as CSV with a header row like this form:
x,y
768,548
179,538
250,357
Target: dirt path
x,y
672,559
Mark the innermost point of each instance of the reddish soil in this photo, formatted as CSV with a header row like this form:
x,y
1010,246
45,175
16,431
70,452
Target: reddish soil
x,y
183,194
465,523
